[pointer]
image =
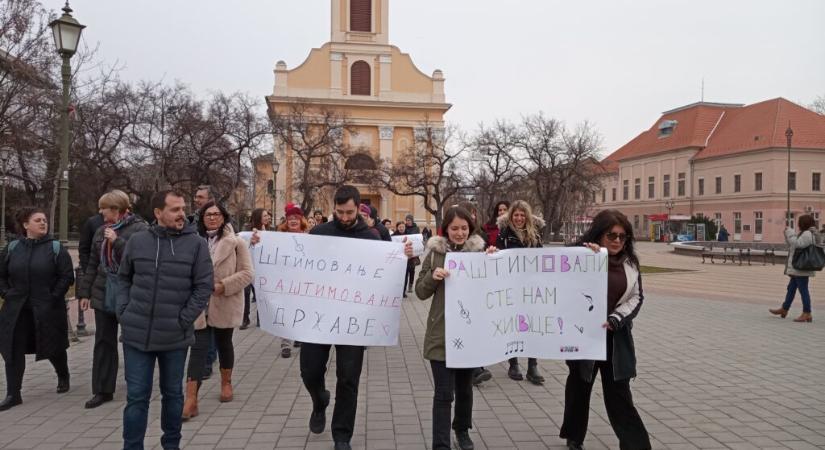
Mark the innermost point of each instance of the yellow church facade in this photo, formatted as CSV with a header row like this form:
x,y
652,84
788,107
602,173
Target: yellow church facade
x,y
385,97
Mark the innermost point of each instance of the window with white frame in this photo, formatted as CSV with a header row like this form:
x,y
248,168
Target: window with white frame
x,y
737,223
757,222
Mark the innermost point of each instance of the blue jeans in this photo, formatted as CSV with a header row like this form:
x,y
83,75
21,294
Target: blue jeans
x,y
800,283
139,368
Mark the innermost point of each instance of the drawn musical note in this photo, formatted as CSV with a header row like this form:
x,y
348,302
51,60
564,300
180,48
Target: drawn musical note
x,y
581,329
298,246
463,312
589,300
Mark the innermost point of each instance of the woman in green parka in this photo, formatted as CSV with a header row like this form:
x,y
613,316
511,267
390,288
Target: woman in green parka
x,y
457,235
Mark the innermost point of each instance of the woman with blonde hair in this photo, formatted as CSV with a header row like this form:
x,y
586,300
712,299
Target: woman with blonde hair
x,y
98,285
519,228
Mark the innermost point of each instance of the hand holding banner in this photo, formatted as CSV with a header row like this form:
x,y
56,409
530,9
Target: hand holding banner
x,y
416,239
329,290
547,303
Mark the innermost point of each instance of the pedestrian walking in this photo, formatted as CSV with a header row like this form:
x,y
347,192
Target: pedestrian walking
x,y
164,284
346,223
806,237
261,220
457,235
35,274
232,268
295,223
610,229
97,288
519,228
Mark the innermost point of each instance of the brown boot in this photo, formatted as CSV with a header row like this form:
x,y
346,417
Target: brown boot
x,y
781,312
805,317
190,405
226,385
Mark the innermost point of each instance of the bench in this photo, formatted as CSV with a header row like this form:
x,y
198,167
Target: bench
x,y
732,253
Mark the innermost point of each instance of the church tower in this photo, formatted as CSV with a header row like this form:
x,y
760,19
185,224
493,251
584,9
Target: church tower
x,y
386,97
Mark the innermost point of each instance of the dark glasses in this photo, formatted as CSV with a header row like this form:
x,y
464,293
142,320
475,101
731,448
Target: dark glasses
x,y
613,236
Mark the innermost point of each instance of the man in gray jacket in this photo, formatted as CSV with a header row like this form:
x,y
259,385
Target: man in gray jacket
x,y
164,283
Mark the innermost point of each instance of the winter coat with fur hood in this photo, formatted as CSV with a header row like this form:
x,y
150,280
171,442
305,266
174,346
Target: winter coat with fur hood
x,y
426,287
232,266
509,238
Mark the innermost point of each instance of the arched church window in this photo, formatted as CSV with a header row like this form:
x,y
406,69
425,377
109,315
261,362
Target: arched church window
x,y
360,78
360,161
360,15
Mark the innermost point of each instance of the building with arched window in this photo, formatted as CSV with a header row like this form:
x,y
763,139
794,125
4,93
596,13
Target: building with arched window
x,y
379,88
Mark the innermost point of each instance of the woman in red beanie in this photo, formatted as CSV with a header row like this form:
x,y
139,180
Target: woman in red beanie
x,y
295,223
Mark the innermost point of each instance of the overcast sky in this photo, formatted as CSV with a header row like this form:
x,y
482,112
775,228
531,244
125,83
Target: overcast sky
x,y
617,63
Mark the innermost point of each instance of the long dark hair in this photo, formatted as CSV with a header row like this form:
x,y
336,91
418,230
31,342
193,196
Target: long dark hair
x,y
202,216
257,218
604,221
494,211
450,215
805,222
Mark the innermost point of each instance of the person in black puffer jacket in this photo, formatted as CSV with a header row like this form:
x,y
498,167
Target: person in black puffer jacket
x,y
35,274
164,283
520,229
97,285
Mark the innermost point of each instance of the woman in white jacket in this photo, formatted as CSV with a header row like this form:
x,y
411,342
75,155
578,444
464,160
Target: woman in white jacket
x,y
799,278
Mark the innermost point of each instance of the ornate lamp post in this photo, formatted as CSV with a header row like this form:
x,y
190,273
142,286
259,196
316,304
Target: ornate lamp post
x,y
5,156
669,205
276,165
66,31
789,136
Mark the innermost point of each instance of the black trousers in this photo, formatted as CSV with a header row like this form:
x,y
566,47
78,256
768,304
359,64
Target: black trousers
x,y
451,383
203,339
530,361
104,357
22,340
348,362
248,292
623,416
409,277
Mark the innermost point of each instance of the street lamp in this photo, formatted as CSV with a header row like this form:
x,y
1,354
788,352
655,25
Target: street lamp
x,y
789,136
276,165
669,205
66,31
5,156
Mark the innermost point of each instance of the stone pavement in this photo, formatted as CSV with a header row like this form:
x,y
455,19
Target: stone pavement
x,y
712,374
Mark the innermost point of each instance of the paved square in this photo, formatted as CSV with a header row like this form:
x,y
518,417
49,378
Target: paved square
x,y
715,371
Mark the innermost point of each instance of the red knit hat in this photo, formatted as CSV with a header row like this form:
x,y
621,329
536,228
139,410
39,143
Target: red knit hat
x,y
364,209
292,209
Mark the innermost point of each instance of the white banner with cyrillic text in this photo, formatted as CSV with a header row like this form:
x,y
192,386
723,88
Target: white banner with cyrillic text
x,y
547,303
329,290
416,239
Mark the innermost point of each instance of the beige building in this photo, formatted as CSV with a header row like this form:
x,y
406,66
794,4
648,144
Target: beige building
x,y
727,162
385,96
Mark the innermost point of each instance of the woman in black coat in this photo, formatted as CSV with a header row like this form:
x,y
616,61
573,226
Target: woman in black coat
x,y
520,229
97,288
35,274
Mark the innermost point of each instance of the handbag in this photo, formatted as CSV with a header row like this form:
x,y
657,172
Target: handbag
x,y
110,299
810,258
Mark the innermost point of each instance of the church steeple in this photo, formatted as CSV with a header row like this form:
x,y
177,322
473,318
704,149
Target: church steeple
x,y
360,21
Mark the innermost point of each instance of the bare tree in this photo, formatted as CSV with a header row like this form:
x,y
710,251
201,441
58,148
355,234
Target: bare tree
x,y
429,169
554,161
818,105
494,170
315,137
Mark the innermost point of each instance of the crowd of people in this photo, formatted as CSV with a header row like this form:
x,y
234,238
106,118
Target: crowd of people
x,y
180,285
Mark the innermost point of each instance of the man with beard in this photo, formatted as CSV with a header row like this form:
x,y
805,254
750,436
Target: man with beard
x,y
164,283
346,223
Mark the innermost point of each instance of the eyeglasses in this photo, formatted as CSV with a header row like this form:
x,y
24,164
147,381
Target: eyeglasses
x,y
213,215
613,236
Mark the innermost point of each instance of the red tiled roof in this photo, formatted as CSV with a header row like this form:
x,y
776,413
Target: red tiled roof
x,y
762,125
724,129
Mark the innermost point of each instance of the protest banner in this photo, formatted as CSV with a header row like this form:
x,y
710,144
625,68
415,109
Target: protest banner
x,y
416,239
547,303
329,290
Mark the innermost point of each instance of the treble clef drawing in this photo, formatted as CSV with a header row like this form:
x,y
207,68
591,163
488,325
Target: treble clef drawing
x,y
463,312
298,246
